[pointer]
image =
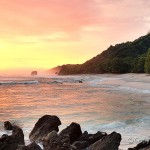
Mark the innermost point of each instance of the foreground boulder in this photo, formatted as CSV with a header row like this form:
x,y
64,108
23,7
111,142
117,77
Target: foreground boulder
x,y
74,132
8,125
92,138
80,145
8,143
109,142
18,135
53,141
87,139
62,141
13,141
44,125
144,145
32,146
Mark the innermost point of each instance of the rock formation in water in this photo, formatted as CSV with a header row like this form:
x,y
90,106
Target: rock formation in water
x,y
8,125
31,146
44,125
34,73
73,131
109,142
144,145
14,141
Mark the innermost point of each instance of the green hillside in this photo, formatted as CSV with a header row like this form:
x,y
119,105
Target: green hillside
x,y
121,58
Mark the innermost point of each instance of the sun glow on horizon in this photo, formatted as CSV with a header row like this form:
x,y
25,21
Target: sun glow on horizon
x,y
44,34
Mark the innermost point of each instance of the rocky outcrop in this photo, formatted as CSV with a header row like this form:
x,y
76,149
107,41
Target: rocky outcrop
x,y
109,142
32,146
13,141
44,125
7,143
70,138
144,145
53,141
33,73
74,132
63,141
86,139
18,135
80,145
80,81
8,125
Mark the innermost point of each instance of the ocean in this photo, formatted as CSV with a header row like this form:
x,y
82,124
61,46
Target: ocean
x,y
105,103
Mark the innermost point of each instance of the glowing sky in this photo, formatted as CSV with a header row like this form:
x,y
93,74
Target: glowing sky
x,y
46,33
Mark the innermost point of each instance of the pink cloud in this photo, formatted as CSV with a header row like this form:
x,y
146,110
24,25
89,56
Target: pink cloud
x,y
40,17
44,17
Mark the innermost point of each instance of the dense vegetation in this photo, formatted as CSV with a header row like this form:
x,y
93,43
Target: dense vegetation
x,y
147,62
121,58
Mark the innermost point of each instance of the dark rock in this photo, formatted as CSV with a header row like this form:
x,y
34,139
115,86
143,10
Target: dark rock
x,y
33,73
8,144
144,145
8,125
74,132
13,141
80,81
86,139
55,142
4,135
52,136
95,137
18,135
81,145
109,142
91,138
44,125
32,146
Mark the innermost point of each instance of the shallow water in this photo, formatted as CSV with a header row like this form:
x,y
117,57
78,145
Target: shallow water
x,y
102,102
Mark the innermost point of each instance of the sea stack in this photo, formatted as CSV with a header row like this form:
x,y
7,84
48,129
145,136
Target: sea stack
x,y
34,73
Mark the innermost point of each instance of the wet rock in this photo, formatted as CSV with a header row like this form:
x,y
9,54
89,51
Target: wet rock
x,y
8,145
80,145
44,125
109,142
86,139
74,132
80,81
32,146
13,141
91,138
8,125
144,145
18,135
51,136
55,142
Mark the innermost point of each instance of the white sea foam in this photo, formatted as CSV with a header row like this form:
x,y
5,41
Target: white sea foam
x,y
131,89
17,82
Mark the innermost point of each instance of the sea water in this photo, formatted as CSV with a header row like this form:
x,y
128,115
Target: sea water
x,y
100,103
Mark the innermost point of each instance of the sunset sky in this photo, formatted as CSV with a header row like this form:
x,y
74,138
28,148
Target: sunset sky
x,y
40,34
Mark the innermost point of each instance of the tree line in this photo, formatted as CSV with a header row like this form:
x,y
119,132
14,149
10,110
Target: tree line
x,y
129,57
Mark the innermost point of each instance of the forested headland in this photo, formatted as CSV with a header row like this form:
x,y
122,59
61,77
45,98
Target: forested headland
x,y
128,57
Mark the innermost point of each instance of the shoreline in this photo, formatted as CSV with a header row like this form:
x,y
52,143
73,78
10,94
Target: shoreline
x,y
70,138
